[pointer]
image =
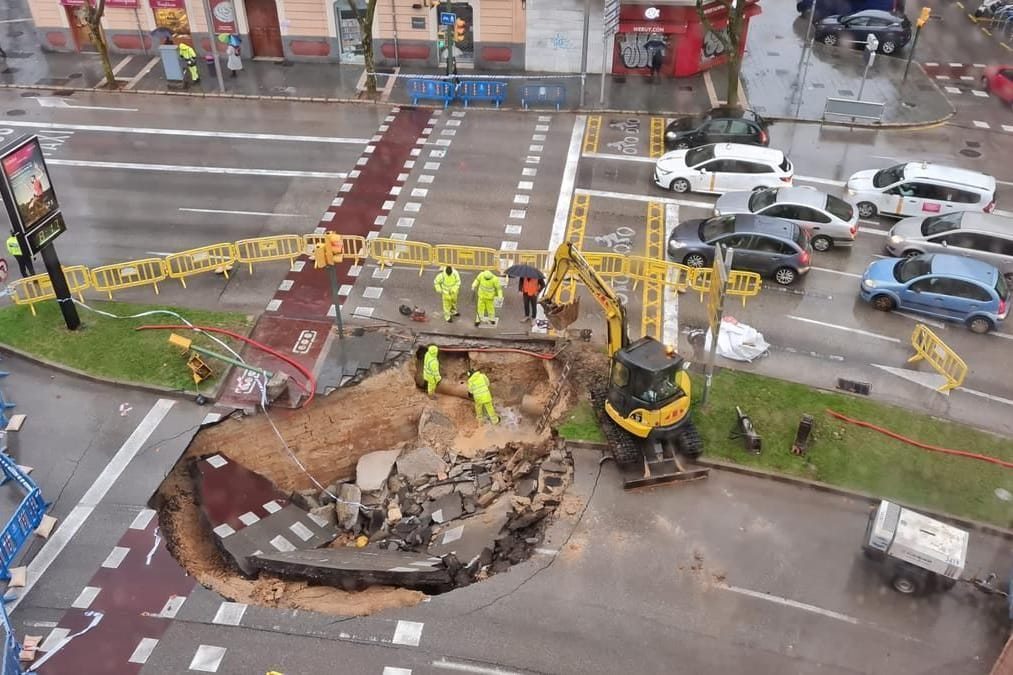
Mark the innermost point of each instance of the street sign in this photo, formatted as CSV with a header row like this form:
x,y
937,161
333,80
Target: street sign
x,y
447,18
719,282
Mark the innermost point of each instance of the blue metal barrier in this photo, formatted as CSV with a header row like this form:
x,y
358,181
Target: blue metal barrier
x,y
437,90
4,405
12,648
553,94
25,520
482,90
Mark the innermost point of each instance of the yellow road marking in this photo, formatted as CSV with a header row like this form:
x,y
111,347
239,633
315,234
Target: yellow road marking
x,y
591,133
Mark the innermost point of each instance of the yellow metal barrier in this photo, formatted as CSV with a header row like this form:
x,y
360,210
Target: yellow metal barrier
x,y
929,347
116,277
267,249
213,258
394,251
700,280
538,259
351,245
38,288
744,284
465,257
608,265
667,273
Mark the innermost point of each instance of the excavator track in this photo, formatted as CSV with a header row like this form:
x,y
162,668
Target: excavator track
x,y
689,441
625,448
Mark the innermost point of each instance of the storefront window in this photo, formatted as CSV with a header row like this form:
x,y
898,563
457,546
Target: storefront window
x,y
349,34
171,14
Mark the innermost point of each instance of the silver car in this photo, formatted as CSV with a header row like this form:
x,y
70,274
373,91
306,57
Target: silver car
x,y
830,221
967,233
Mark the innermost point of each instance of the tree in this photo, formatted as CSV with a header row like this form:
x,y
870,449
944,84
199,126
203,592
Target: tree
x,y
365,19
730,38
91,19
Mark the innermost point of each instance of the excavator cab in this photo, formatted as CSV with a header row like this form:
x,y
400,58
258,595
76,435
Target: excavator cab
x,y
649,390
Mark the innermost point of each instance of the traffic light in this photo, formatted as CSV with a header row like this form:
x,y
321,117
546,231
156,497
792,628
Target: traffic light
x,y
459,27
431,3
924,17
329,252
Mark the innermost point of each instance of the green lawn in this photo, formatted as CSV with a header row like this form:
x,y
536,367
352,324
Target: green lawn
x,y
581,424
853,457
111,348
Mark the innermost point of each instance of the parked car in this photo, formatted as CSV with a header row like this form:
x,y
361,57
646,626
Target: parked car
x,y
991,7
772,247
920,188
975,235
830,221
949,287
999,81
893,32
722,168
718,125
826,8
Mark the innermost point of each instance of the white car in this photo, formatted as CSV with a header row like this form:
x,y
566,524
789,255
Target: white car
x,y
829,220
723,167
920,189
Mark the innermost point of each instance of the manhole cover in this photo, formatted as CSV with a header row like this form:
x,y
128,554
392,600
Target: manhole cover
x,y
972,144
967,152
1003,494
75,76
845,92
28,94
17,112
818,85
15,33
63,92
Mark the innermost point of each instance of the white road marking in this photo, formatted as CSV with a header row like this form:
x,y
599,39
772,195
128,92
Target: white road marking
x,y
787,602
1008,128
143,519
391,670
408,633
115,557
244,213
821,181
643,198
1001,335
51,102
827,269
547,551
195,133
132,82
981,125
920,319
86,597
207,658
857,331
1001,212
559,220
98,490
922,378
708,84
670,314
624,158
143,651
1005,182
15,20
444,664
869,230
990,397
189,168
54,638
229,613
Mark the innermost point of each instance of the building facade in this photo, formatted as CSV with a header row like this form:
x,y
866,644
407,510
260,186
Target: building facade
x,y
555,36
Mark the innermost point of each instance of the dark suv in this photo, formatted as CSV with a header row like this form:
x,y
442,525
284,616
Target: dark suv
x,y
893,32
718,125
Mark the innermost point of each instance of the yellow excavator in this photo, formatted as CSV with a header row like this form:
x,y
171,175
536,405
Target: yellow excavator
x,y
646,401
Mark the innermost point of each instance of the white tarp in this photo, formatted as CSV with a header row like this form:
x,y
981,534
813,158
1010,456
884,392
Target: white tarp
x,y
737,341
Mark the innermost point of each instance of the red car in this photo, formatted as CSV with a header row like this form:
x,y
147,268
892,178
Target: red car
x,y
999,81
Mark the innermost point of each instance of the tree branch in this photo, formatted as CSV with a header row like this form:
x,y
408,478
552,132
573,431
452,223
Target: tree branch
x,y
724,36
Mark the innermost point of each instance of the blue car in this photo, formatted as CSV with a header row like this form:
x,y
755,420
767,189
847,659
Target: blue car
x,y
949,287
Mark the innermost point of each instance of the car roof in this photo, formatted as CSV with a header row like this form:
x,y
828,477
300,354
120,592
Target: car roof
x,y
986,222
967,268
777,227
743,151
949,174
876,14
802,195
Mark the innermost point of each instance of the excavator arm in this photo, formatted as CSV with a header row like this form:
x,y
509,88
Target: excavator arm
x,y
567,261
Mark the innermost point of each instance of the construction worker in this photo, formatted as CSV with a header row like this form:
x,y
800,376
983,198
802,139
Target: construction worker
x,y
489,288
189,57
24,262
478,389
448,283
431,370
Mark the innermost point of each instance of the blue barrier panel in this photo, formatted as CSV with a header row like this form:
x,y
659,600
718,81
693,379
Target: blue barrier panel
x,y
482,90
24,521
553,94
4,405
12,648
438,90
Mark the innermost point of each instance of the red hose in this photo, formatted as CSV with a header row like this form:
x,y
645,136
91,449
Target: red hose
x,y
923,446
295,364
537,355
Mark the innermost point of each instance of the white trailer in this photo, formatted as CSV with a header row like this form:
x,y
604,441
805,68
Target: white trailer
x,y
918,553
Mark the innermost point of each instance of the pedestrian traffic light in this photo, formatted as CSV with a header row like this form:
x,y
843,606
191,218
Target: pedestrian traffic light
x,y
459,27
924,17
329,252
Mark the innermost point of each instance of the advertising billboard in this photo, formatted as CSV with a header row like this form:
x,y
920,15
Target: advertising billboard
x,y
26,185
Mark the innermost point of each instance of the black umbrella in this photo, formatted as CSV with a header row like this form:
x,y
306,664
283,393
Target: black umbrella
x,y
161,34
524,272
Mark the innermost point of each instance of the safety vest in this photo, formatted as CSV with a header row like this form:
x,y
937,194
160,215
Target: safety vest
x,y
187,53
478,386
447,283
487,284
13,247
529,287
431,364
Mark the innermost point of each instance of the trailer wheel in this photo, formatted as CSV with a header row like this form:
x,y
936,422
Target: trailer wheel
x,y
946,583
908,582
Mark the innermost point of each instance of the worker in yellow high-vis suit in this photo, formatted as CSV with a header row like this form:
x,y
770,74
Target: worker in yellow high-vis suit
x,y
431,369
24,261
488,288
189,57
478,389
448,284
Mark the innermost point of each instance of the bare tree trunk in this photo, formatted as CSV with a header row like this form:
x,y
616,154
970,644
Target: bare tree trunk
x,y
731,39
365,20
92,19
734,68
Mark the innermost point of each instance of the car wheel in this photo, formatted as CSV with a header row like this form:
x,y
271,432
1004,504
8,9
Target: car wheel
x,y
694,260
866,210
682,145
830,40
680,185
888,47
785,276
911,253
979,325
984,83
822,243
883,303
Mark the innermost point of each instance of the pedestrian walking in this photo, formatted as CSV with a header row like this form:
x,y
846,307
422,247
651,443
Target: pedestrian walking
x,y
431,370
3,54
189,58
530,287
488,288
24,262
448,284
478,389
655,55
234,63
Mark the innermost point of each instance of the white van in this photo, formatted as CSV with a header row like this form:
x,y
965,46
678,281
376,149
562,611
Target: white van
x,y
920,189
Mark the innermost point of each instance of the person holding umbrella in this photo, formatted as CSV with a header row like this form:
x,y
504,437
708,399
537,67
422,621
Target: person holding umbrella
x,y
530,284
234,63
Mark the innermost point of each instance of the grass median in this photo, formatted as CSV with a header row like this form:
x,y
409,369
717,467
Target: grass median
x,y
111,348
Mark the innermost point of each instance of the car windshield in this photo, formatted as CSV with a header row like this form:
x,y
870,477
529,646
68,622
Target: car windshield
x,y
839,208
884,177
939,224
761,199
712,228
699,155
659,387
906,270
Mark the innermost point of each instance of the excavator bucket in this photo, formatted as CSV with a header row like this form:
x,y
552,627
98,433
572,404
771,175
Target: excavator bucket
x,y
560,316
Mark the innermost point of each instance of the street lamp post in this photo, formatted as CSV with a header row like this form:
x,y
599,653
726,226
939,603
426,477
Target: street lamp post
x,y
871,45
214,48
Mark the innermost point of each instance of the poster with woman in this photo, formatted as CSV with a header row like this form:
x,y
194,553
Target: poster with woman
x,y
24,172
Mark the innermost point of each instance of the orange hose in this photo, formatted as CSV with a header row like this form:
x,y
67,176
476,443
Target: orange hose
x,y
918,444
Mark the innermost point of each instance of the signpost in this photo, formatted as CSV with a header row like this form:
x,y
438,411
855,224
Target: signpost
x,y
447,18
715,310
34,212
923,18
610,22
871,45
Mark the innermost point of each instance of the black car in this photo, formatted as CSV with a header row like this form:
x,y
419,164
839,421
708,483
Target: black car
x,y
893,32
718,125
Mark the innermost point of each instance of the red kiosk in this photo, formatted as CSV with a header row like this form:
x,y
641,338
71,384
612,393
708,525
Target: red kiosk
x,y
689,46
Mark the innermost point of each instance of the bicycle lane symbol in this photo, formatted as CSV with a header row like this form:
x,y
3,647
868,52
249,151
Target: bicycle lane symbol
x,y
621,241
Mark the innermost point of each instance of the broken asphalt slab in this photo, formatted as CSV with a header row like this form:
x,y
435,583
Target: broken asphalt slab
x,y
354,569
373,469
